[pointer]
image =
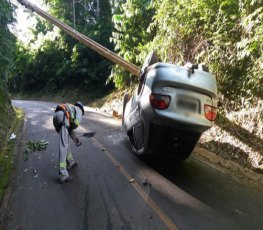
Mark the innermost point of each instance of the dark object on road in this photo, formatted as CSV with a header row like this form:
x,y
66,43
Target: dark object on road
x,y
170,109
89,135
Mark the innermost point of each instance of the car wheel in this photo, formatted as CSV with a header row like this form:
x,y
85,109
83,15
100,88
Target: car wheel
x,y
136,138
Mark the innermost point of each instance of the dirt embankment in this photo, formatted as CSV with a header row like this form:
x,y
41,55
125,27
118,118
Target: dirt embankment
x,y
238,136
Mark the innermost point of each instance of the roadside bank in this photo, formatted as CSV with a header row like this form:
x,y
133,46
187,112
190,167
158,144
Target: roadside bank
x,y
8,152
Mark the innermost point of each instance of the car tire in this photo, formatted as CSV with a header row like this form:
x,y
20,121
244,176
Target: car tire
x,y
136,139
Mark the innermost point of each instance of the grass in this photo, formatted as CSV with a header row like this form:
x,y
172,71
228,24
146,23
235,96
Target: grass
x,y
8,150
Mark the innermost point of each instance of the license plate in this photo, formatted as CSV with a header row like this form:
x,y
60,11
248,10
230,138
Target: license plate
x,y
187,104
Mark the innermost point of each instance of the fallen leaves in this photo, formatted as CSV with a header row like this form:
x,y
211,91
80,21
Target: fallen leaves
x,y
32,146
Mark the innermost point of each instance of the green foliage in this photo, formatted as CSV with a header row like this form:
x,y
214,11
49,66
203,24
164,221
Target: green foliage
x,y
131,36
250,46
7,115
7,40
32,146
225,34
54,60
7,147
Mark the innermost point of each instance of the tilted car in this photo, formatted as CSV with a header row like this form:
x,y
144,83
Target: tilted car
x,y
170,109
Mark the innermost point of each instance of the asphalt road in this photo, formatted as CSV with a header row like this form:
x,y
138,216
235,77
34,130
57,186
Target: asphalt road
x,y
113,189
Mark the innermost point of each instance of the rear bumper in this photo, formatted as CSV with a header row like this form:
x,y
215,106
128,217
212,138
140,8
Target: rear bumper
x,y
182,121
196,123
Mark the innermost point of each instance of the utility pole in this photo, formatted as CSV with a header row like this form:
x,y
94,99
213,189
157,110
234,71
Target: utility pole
x,y
74,14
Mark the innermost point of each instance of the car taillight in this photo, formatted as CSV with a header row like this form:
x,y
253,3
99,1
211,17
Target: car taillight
x,y
159,101
210,112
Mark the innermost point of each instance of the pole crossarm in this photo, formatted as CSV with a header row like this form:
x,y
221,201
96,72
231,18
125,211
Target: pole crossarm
x,y
103,51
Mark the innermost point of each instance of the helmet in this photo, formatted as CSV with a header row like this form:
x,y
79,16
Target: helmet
x,y
80,105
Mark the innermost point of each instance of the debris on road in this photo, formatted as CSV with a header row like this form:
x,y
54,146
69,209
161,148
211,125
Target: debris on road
x,y
13,136
32,146
35,176
89,135
115,114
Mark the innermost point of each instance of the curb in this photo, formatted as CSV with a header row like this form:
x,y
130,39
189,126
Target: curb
x,y
221,163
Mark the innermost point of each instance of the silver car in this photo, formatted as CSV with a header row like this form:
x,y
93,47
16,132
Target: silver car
x,y
170,109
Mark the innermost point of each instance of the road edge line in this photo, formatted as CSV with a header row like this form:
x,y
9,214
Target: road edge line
x,y
163,216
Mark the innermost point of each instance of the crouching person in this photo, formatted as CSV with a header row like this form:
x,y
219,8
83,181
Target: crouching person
x,y
67,117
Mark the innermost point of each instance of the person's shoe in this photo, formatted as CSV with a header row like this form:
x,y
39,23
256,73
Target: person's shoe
x,y
74,165
65,179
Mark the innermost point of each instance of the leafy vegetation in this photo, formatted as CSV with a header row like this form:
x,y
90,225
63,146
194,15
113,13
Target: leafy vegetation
x,y
131,37
7,41
53,61
32,146
226,34
8,147
8,120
